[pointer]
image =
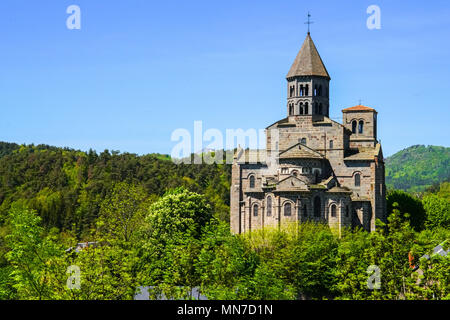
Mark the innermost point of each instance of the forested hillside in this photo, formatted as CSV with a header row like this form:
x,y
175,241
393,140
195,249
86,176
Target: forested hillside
x,y
417,168
158,224
66,187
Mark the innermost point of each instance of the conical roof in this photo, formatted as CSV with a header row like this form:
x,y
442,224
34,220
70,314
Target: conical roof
x,y
308,61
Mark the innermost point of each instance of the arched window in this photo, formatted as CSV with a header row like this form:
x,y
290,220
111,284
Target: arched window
x,y
320,91
361,126
301,90
315,90
291,110
317,205
269,206
252,181
307,90
357,180
287,209
354,124
305,210
306,108
301,107
255,210
331,144
292,91
333,210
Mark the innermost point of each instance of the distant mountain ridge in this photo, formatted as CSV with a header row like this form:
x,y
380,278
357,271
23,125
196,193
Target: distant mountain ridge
x,y
418,167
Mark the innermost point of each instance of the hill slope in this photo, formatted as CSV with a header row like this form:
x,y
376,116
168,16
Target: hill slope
x,y
67,187
7,148
418,167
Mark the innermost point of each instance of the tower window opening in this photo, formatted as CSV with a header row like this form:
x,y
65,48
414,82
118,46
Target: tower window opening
x,y
301,91
361,126
307,90
354,124
291,110
320,109
331,144
306,108
301,108
320,91
347,211
292,91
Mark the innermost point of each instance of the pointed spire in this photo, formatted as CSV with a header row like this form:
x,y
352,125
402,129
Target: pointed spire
x,y
308,61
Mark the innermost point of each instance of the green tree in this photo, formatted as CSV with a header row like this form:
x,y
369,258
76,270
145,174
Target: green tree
x,y
122,212
35,260
437,210
170,240
407,203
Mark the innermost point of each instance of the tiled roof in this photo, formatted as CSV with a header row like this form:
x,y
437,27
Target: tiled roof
x,y
251,156
358,108
299,151
367,154
340,190
308,61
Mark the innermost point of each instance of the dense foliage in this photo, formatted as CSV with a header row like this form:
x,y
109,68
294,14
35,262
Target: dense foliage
x,y
156,224
67,187
169,255
418,167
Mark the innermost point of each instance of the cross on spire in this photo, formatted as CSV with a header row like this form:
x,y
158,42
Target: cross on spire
x,y
309,22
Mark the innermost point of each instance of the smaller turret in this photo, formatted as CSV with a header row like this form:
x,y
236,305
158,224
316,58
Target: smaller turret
x,y
362,122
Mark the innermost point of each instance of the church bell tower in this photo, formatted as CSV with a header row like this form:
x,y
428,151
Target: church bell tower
x,y
308,83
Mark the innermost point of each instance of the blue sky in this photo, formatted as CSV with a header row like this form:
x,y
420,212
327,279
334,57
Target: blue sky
x,y
137,70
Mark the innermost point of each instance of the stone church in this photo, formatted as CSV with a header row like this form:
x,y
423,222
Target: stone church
x,y
313,168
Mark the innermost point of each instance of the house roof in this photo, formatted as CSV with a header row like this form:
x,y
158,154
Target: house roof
x,y
358,108
308,61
